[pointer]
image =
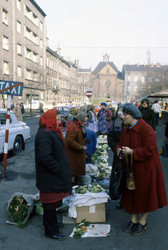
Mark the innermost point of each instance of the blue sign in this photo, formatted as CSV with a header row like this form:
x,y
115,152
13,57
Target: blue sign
x,y
12,88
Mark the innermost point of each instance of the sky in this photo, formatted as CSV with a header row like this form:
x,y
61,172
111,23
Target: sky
x,y
124,29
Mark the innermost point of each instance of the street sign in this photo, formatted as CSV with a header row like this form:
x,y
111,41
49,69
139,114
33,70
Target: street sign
x,y
89,92
10,87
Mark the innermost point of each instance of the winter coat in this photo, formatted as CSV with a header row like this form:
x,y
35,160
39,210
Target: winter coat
x,y
17,111
73,142
108,115
150,192
149,116
113,136
52,168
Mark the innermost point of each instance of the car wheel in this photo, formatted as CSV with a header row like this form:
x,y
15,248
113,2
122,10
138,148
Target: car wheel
x,y
18,145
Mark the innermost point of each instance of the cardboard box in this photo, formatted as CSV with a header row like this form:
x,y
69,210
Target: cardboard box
x,y
96,213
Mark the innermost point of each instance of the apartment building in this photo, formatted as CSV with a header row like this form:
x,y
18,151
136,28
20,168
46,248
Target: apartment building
x,y
141,80
22,46
84,79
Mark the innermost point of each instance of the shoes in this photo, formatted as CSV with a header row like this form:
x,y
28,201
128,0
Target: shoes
x,y
131,225
119,206
57,236
138,229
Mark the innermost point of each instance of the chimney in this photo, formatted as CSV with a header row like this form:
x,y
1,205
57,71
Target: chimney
x,y
151,64
137,65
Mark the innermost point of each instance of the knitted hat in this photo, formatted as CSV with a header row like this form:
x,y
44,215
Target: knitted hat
x,y
103,103
81,116
133,110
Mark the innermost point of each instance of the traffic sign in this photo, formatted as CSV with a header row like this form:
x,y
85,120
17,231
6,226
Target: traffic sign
x,y
10,87
89,92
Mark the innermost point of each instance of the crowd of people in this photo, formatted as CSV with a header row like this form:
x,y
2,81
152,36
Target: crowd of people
x,y
60,162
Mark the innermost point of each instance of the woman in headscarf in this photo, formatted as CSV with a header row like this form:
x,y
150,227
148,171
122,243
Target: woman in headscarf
x,y
104,117
53,175
139,139
91,122
75,146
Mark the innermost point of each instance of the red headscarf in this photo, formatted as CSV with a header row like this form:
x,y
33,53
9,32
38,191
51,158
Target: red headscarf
x,y
48,120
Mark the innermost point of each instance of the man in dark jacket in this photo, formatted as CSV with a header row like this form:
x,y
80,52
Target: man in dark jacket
x,y
148,114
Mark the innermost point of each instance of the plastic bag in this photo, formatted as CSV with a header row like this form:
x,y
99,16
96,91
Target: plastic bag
x,y
19,207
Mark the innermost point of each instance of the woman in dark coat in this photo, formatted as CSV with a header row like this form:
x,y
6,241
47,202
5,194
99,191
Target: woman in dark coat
x,y
75,146
104,117
53,175
150,193
147,113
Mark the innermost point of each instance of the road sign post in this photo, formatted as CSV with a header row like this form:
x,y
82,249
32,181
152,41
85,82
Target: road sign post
x,y
9,88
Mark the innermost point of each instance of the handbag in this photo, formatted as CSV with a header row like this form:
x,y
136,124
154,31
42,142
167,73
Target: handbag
x,y
130,182
117,179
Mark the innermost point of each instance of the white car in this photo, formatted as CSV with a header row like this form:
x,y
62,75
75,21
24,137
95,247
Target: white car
x,y
38,105
19,132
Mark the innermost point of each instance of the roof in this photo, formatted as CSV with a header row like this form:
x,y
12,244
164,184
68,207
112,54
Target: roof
x,y
101,65
54,53
38,7
143,68
160,94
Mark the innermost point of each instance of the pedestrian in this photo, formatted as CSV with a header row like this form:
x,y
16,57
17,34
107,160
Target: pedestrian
x,y
104,117
113,137
148,114
53,175
22,108
157,110
91,122
139,139
91,142
17,111
75,146
73,112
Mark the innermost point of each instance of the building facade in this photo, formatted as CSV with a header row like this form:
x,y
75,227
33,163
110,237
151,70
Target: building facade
x,y
107,82
84,80
22,52
141,80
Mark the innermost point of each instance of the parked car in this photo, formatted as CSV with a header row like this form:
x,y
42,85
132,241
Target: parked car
x,y
64,111
38,105
19,132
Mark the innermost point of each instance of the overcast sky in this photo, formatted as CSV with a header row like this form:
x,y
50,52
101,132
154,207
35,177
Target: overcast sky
x,y
124,29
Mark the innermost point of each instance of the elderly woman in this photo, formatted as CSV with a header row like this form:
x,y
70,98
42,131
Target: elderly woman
x,y
150,194
53,175
147,113
104,117
75,146
91,122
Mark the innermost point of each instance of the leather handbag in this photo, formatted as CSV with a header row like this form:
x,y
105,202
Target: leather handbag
x,y
117,179
130,182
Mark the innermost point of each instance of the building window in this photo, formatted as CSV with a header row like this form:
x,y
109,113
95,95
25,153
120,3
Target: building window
x,y
135,78
4,16
18,4
41,61
41,43
18,27
19,71
6,67
5,43
142,79
128,78
19,49
41,26
28,74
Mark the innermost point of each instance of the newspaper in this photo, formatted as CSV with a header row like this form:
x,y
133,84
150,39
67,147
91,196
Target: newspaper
x,y
95,230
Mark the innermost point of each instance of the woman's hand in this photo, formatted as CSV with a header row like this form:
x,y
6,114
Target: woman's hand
x,y
127,150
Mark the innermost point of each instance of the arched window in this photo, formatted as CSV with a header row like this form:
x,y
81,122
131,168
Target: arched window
x,y
107,95
107,84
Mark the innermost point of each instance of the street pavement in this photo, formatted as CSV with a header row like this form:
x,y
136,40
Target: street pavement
x,y
21,178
